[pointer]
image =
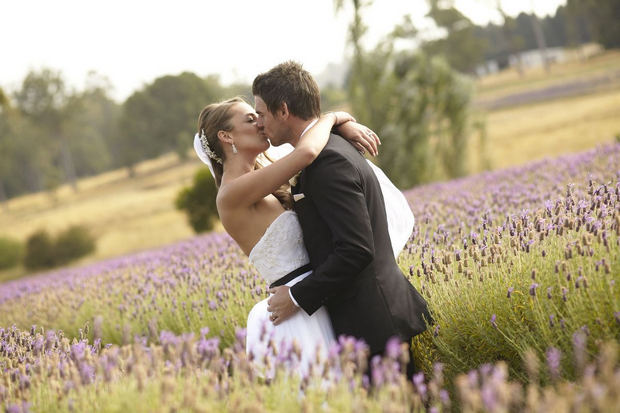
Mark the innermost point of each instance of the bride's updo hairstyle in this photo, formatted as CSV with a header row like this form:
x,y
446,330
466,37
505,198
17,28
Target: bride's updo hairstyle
x,y
216,117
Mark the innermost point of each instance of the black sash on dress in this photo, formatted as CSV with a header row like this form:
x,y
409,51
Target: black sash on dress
x,y
291,275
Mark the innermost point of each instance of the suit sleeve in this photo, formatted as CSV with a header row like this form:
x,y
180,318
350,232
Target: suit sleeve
x,y
334,186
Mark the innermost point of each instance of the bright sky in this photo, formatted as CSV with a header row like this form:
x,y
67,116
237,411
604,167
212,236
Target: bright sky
x,y
132,42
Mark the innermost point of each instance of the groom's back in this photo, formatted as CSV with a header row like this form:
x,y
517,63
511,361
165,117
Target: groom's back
x,y
372,195
380,302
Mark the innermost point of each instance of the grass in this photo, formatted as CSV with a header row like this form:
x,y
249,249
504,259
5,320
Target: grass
x,y
520,134
509,81
125,215
549,230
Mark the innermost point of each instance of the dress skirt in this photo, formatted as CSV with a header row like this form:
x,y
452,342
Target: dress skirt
x,y
297,342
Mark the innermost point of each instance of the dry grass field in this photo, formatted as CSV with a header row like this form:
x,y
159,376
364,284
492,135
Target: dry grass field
x,y
127,215
545,129
577,68
124,214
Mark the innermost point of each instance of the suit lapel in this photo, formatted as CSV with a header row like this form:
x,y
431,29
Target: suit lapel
x,y
297,189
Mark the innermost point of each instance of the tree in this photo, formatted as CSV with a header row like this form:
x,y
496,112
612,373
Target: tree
x,y
41,99
89,121
198,201
5,152
162,117
22,158
602,16
513,40
416,103
540,40
460,47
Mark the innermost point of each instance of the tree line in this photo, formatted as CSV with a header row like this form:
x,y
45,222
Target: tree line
x,y
51,135
466,45
418,96
415,97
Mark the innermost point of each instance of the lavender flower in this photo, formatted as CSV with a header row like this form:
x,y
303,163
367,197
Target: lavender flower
x,y
553,362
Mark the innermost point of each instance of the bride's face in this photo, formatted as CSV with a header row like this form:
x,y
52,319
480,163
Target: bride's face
x,y
245,132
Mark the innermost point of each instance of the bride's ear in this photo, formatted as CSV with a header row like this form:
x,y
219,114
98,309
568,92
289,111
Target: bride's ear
x,y
224,137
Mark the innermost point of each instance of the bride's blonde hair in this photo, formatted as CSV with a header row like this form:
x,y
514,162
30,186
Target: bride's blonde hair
x,y
217,117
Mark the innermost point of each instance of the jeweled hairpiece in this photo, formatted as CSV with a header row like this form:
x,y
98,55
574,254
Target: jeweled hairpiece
x,y
205,147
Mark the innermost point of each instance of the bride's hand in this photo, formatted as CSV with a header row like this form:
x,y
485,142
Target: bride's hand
x,y
342,118
363,138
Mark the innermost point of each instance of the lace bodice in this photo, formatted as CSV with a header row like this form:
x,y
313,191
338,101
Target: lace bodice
x,y
281,249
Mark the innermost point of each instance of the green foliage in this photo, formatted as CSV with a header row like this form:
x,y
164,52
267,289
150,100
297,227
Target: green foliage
x,y
90,119
460,47
602,17
39,251
333,98
75,242
11,252
198,201
153,119
50,135
418,104
42,251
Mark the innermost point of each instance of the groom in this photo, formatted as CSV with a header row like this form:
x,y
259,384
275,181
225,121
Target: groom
x,y
342,213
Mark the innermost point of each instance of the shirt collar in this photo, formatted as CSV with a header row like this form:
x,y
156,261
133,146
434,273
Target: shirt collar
x,y
311,124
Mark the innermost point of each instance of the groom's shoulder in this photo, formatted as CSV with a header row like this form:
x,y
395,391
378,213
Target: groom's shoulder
x,y
339,147
334,155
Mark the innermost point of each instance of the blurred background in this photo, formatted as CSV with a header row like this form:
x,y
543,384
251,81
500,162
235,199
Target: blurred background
x,y
99,101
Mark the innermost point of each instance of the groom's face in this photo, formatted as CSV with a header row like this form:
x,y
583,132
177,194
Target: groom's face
x,y
270,124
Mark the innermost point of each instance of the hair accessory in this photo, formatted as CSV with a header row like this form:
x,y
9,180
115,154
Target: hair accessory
x,y
207,149
201,147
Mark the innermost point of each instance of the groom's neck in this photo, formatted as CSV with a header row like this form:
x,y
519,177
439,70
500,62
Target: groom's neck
x,y
298,127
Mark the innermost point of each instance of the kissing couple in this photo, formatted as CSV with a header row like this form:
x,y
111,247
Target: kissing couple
x,y
322,225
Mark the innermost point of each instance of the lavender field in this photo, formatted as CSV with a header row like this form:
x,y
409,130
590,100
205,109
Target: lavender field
x,y
519,267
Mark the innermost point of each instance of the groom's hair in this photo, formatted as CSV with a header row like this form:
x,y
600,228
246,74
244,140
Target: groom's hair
x,y
289,83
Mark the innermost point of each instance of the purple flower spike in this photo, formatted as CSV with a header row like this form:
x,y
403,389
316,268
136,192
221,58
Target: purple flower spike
x,y
510,290
393,348
489,398
553,362
533,288
493,317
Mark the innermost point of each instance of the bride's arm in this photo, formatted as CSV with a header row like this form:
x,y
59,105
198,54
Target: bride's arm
x,y
253,186
360,136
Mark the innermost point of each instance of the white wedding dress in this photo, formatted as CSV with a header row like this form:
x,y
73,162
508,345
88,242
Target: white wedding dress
x,y
281,251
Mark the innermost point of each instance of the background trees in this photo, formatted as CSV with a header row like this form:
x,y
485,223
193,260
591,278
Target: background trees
x,y
416,96
50,135
417,103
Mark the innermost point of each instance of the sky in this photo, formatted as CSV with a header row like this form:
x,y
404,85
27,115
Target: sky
x,y
132,42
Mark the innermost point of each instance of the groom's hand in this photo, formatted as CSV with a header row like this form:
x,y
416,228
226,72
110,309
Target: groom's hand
x,y
280,305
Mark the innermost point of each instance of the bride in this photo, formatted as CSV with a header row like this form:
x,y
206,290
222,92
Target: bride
x,y
255,206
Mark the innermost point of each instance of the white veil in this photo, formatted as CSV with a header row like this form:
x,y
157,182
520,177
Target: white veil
x,y
399,216
202,154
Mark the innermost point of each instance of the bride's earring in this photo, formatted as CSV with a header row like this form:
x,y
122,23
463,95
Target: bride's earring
x,y
234,148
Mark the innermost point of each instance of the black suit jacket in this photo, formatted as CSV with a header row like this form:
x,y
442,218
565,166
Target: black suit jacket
x,y
355,275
